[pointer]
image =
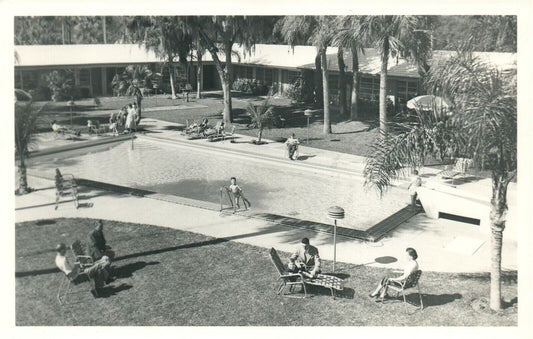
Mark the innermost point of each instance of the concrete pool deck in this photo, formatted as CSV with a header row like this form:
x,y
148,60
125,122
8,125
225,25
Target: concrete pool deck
x,y
443,245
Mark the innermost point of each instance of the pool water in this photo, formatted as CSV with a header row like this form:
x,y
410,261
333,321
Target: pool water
x,y
199,174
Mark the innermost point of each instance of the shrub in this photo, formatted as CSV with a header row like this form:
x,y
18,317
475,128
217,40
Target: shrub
x,y
250,86
301,91
60,84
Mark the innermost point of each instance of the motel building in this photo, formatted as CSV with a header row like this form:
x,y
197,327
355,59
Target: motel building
x,y
93,67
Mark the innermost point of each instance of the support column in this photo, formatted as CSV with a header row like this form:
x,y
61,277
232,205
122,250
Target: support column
x,y
76,77
280,85
21,80
91,82
104,81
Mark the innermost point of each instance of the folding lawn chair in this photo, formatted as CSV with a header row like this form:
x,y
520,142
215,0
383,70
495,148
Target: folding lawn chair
x,y
66,186
81,259
409,283
459,169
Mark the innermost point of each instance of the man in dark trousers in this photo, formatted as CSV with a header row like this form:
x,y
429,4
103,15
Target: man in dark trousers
x,y
97,243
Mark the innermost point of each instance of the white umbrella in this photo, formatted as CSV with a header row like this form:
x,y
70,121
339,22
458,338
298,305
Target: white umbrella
x,y
428,103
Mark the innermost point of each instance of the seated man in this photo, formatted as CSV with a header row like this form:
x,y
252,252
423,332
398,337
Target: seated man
x,y
292,145
305,260
97,243
97,273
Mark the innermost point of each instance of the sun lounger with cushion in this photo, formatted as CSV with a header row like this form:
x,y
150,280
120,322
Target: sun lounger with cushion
x,y
294,279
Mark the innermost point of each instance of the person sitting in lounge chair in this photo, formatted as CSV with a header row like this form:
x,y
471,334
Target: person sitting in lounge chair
x,y
215,131
60,129
292,145
305,260
97,273
93,126
410,267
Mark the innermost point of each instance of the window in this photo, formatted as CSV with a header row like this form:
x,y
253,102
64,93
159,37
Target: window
x,y
85,77
287,77
369,88
407,90
269,75
248,72
260,73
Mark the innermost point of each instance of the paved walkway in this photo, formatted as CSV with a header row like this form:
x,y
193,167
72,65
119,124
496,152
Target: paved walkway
x,y
443,245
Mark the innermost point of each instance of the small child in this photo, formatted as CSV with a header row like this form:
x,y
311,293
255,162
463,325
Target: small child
x,y
417,182
237,194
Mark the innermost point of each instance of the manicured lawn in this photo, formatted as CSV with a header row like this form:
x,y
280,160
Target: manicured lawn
x,y
351,137
170,277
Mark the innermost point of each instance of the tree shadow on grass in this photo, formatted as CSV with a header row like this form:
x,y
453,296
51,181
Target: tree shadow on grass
x,y
126,271
507,277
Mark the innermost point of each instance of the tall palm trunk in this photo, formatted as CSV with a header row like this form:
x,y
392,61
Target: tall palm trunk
x,y
342,82
23,179
259,134
138,100
199,74
498,211
383,87
354,109
325,90
317,79
171,76
226,83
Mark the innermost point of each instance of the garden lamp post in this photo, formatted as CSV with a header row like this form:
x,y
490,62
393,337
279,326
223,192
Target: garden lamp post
x,y
335,212
308,113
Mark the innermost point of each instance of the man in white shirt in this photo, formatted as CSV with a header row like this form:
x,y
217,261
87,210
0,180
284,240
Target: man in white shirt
x,y
292,145
97,273
305,259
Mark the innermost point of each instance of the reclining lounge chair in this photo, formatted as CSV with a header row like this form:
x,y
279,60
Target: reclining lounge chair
x,y
293,279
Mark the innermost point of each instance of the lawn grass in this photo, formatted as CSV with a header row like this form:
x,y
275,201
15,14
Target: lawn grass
x,y
171,277
351,137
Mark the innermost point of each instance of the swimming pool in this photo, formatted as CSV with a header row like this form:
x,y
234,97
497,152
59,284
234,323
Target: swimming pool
x,y
198,174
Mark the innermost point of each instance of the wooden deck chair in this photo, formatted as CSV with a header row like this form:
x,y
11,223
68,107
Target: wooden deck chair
x,y
410,283
84,261
66,186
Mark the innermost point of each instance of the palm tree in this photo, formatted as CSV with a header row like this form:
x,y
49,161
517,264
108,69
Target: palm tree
x,y
349,36
262,117
482,127
25,123
392,36
318,31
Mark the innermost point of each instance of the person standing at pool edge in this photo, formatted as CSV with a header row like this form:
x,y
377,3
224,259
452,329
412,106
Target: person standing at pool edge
x,y
417,182
237,194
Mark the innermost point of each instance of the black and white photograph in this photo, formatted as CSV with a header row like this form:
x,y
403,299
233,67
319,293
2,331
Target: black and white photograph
x,y
280,168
